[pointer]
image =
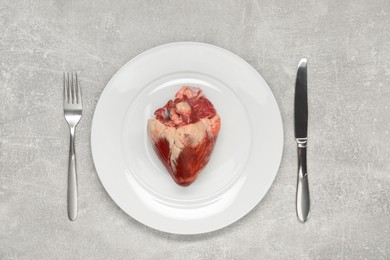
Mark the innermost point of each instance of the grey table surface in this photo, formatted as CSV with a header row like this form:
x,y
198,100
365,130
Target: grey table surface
x,y
348,47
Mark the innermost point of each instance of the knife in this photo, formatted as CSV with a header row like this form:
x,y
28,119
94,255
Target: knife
x,y
300,121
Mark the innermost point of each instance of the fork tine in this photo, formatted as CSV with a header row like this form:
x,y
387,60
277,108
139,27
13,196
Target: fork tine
x,y
67,89
76,98
79,101
73,90
65,101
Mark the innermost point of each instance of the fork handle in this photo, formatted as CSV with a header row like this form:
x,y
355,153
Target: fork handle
x,y
72,179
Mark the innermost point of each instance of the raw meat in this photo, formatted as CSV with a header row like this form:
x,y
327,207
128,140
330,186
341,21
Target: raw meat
x,y
184,133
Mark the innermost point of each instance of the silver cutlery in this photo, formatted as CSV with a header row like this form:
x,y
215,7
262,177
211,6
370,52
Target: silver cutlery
x,y
301,121
72,111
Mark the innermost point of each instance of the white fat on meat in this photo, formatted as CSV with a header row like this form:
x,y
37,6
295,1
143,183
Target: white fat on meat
x,y
189,92
185,136
183,108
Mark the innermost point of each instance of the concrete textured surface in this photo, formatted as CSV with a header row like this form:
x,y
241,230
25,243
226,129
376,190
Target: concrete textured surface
x,y
348,47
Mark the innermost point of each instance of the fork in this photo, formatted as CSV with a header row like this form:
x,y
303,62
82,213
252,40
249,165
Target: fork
x,y
72,111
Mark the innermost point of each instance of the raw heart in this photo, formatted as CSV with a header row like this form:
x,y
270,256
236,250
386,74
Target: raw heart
x,y
184,133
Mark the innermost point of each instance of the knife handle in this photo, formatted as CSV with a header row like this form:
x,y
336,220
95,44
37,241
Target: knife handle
x,y
303,196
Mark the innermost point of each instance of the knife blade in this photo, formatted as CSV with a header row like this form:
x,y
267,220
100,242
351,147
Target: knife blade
x,y
300,105
300,123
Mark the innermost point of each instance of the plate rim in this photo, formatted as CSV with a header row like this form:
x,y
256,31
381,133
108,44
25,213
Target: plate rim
x,y
109,85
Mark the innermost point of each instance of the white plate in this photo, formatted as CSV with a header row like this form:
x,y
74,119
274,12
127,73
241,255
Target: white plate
x,y
246,156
